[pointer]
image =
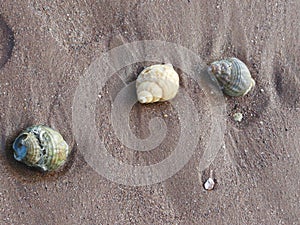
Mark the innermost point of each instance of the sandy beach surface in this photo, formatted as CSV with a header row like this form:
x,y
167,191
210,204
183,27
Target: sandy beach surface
x,y
46,47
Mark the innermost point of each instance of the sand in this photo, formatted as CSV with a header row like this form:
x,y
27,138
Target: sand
x,y
45,49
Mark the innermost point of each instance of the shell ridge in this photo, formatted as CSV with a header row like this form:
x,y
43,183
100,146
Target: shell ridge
x,y
237,82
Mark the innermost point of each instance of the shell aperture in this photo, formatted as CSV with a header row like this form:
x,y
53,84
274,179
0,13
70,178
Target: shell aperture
x,y
20,149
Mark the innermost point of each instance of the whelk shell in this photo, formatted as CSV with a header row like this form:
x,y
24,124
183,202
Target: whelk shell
x,y
157,83
233,75
42,147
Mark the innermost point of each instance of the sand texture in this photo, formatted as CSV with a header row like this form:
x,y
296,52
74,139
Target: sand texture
x,y
45,49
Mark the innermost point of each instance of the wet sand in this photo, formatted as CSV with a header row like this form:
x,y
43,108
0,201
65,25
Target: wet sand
x,y
45,49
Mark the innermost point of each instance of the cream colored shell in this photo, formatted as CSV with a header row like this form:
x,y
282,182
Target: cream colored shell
x,y
157,83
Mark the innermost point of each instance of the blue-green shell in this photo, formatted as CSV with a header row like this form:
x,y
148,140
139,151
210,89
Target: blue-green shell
x,y
42,147
233,76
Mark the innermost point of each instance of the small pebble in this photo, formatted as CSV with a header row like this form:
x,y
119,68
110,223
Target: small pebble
x,y
238,117
209,184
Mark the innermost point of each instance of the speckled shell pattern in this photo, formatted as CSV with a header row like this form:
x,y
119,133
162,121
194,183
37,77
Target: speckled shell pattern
x,y
157,83
42,147
233,76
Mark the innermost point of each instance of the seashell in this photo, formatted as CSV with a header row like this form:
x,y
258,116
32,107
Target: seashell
x,y
238,117
233,75
209,184
42,147
157,83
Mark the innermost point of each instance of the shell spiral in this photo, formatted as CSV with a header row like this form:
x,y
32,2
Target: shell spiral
x,y
157,83
42,147
233,76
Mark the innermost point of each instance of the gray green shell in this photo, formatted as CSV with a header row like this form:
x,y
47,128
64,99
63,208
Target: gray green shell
x,y
42,147
233,76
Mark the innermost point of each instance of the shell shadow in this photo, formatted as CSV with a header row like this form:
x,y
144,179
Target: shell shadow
x,y
26,174
6,42
286,82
